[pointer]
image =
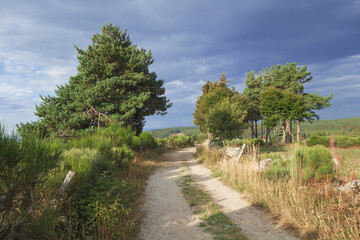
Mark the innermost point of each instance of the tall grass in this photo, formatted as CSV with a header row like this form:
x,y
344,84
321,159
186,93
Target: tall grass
x,y
315,209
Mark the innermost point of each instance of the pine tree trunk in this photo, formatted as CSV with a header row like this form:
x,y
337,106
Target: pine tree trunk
x,y
269,135
252,129
298,132
262,129
284,131
287,132
291,131
277,134
256,130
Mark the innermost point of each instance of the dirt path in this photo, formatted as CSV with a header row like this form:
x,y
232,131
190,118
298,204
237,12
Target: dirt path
x,y
168,215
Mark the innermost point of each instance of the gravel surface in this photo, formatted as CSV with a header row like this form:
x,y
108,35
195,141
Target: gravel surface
x,y
168,215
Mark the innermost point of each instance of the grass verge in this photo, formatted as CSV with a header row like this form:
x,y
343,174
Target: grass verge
x,y
214,221
314,208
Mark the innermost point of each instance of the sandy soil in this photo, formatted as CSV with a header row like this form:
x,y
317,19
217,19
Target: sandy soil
x,y
168,216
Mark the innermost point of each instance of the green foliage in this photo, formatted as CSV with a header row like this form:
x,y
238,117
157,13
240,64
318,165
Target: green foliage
x,y
113,84
166,132
279,168
312,162
318,140
346,127
257,141
123,155
180,141
98,208
220,110
339,141
80,161
24,165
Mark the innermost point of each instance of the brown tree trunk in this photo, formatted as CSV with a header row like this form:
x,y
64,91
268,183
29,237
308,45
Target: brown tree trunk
x,y
298,132
252,129
284,131
256,130
277,134
288,137
267,133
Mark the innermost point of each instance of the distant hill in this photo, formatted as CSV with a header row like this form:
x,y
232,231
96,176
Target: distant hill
x,y
165,132
345,126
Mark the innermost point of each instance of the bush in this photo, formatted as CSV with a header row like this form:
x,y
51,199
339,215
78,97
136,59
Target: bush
x,y
80,161
315,162
123,156
180,141
257,141
278,169
339,141
24,165
318,140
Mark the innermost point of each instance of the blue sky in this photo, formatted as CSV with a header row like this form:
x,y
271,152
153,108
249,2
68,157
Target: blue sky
x,y
191,40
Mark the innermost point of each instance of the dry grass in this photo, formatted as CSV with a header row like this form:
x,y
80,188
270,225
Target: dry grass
x,y
317,211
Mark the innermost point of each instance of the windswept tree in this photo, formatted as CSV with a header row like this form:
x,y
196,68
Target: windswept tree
x,y
113,83
283,98
221,111
252,91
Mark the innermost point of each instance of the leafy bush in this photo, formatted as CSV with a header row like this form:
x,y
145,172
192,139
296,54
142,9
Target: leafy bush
x,y
315,162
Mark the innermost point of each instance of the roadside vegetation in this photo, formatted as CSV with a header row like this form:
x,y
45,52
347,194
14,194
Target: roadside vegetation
x,y
102,199
299,188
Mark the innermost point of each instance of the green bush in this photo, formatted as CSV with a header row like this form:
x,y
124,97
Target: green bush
x,y
80,161
23,166
257,141
339,141
278,169
180,141
235,142
123,155
312,162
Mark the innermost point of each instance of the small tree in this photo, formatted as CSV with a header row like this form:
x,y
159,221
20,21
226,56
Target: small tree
x,y
221,111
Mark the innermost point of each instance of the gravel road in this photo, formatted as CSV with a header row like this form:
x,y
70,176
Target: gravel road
x,y
168,216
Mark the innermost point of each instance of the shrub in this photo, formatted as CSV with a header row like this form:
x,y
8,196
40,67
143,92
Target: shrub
x,y
257,141
24,165
315,162
279,168
80,161
180,141
339,141
123,156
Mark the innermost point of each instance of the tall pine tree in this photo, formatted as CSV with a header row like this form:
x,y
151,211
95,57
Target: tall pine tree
x,y
113,84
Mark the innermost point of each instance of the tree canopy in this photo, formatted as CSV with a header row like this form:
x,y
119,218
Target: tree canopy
x,y
220,110
113,84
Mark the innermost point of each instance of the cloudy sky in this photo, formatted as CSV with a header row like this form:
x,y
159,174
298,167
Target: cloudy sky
x,y
191,40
